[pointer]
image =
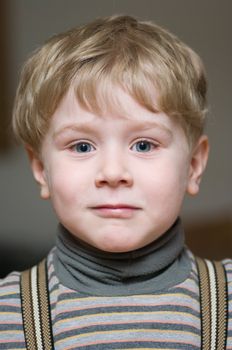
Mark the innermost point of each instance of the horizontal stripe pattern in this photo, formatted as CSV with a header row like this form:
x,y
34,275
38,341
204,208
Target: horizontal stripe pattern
x,y
150,321
168,320
11,331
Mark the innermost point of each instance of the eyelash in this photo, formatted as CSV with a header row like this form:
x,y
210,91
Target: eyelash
x,y
88,147
81,143
152,145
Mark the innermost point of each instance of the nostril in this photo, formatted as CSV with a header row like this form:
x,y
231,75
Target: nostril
x,y
113,179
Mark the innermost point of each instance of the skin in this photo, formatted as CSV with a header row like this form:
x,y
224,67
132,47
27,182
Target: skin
x,y
116,181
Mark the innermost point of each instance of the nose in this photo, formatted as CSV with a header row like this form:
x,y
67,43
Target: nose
x,y
113,172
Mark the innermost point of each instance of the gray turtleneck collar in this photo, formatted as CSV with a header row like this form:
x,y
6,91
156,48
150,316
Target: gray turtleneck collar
x,y
90,271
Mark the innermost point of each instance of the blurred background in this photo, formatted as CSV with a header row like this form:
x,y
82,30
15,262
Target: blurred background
x,y
27,224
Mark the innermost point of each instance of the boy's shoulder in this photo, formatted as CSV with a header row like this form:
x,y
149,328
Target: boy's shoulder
x,y
10,291
10,284
10,303
227,263
11,325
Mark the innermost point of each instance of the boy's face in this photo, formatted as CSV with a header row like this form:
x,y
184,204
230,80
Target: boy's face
x,y
116,181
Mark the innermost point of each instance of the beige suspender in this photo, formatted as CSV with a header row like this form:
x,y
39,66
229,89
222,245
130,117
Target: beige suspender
x,y
213,303
36,308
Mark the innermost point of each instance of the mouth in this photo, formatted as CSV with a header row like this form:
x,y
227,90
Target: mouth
x,y
123,211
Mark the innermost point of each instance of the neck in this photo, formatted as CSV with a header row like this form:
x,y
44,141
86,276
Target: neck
x,y
92,271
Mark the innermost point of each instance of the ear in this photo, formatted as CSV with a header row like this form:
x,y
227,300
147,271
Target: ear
x,y
198,161
38,171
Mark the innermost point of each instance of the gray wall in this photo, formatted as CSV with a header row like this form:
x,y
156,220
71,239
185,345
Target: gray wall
x,y
204,24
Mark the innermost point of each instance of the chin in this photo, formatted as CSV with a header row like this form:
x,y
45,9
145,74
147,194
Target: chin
x,y
117,249
111,246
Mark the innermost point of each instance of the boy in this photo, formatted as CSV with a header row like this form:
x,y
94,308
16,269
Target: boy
x,y
112,117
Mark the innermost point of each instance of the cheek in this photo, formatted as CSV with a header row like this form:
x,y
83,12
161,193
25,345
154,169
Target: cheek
x,y
165,181
65,184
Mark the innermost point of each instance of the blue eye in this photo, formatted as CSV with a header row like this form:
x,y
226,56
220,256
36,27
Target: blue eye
x,y
83,147
143,146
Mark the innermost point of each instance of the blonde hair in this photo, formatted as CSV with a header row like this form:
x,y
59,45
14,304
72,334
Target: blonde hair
x,y
140,57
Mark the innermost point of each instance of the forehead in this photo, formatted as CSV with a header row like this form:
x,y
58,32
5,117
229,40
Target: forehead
x,y
124,113
119,104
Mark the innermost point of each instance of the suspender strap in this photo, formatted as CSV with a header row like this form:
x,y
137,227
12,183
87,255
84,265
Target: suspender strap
x,y
213,303
36,308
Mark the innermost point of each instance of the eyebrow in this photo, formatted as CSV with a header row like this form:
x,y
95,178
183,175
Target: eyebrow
x,y
82,127
146,125
89,127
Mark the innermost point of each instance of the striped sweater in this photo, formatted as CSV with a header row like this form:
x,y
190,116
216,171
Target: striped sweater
x,y
167,319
